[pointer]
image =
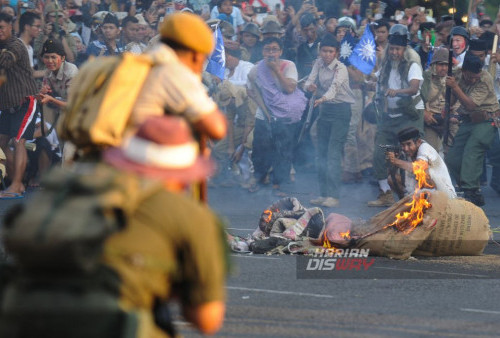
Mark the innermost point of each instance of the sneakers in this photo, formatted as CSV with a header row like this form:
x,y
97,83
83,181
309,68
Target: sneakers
x,y
384,199
318,201
330,202
474,196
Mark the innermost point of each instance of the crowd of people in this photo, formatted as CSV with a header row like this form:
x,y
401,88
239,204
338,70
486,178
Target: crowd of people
x,y
285,63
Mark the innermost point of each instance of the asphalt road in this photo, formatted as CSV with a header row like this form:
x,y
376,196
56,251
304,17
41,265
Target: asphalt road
x,y
421,297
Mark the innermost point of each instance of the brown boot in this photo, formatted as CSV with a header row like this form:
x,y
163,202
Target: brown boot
x,y
384,199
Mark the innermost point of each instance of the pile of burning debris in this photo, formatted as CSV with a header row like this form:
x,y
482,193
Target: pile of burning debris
x,y
427,223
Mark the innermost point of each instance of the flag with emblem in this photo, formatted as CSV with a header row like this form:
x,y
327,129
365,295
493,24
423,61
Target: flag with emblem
x,y
346,47
364,56
217,61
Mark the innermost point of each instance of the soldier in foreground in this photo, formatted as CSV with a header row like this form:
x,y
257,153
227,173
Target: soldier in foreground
x,y
167,246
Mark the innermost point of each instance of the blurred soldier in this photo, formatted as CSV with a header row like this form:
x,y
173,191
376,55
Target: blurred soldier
x,y
417,149
398,98
173,85
171,247
473,88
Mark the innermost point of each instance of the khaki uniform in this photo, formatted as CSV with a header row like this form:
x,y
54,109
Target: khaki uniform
x,y
475,134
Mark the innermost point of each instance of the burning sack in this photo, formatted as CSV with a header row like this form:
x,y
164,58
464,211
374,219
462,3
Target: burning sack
x,y
462,229
288,207
450,227
390,232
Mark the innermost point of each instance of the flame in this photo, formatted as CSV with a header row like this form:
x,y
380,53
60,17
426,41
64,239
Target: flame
x,y
409,220
326,242
269,214
345,235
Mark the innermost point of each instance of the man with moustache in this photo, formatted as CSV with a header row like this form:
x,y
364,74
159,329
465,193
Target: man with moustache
x,y
398,98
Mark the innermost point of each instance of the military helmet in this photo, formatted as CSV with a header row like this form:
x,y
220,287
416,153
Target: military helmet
x,y
252,29
440,55
460,30
399,29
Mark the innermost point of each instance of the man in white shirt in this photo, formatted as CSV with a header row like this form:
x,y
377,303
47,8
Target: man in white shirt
x,y
417,149
236,69
30,26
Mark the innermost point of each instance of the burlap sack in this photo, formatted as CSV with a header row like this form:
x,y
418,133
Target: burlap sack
x,y
462,230
392,243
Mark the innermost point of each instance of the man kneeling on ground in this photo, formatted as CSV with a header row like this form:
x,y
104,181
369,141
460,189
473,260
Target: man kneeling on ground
x,y
417,149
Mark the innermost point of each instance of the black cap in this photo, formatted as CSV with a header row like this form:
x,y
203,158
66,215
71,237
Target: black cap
x,y
472,63
409,133
53,46
399,40
329,41
488,38
478,45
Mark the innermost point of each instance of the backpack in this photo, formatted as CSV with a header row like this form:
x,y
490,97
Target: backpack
x,y
63,227
101,98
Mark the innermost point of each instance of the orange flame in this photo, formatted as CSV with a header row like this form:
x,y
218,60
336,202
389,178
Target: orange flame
x,y
408,221
269,214
345,235
326,242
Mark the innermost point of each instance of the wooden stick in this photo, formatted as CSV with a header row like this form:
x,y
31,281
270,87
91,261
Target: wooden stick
x,y
493,65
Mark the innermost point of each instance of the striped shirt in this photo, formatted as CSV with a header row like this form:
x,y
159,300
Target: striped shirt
x,y
15,63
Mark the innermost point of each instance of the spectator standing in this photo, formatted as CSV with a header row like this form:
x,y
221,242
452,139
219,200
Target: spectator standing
x,y
330,80
17,105
307,52
30,26
273,84
130,35
398,98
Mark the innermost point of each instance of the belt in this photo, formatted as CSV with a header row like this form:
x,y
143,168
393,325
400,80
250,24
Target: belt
x,y
394,113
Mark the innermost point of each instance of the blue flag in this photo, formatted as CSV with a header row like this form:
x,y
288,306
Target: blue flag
x,y
217,61
346,47
364,54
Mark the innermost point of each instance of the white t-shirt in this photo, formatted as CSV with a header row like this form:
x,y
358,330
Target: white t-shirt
x,y
235,14
30,52
438,171
415,73
240,75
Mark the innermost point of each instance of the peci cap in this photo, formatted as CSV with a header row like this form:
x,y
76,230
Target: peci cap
x,y
478,45
409,133
472,63
188,30
53,46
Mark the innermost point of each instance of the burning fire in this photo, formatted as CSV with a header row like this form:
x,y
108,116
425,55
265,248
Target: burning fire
x,y
269,214
408,221
326,242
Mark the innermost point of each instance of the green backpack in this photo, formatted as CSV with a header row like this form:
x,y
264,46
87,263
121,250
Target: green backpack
x,y
64,226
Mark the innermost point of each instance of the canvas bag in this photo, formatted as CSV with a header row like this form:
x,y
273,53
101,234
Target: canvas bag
x,y
64,226
101,99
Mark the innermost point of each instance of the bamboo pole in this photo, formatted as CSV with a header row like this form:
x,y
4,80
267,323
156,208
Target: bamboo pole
x,y
493,65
